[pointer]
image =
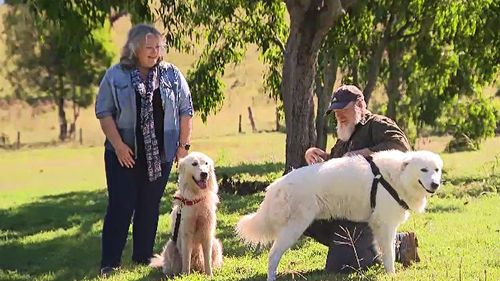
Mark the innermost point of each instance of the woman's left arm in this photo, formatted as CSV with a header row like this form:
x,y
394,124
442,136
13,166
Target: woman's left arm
x,y
186,116
184,135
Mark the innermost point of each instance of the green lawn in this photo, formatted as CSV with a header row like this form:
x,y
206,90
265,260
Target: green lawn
x,y
52,202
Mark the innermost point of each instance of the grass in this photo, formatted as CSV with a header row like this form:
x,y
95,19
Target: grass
x,y
53,200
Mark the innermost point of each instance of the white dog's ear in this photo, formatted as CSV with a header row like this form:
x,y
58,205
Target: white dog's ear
x,y
405,164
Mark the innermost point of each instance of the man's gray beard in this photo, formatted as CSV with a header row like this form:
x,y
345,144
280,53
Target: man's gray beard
x,y
344,132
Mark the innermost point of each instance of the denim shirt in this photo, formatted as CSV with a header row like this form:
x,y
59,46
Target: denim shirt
x,y
117,98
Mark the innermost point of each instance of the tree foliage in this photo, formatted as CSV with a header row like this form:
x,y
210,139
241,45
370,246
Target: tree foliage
x,y
223,30
43,66
426,54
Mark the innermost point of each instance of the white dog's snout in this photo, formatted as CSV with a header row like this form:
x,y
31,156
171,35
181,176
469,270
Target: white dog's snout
x,y
434,185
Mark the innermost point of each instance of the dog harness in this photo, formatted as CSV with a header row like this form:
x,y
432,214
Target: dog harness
x,y
380,179
184,202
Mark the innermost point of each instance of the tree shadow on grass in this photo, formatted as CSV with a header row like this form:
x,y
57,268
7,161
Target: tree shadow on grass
x,y
315,275
59,236
253,169
54,235
53,212
444,209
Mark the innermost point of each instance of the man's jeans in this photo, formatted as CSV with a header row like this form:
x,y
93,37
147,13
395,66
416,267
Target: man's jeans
x,y
350,244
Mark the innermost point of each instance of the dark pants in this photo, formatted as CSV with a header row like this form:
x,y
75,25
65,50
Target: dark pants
x,y
344,256
131,197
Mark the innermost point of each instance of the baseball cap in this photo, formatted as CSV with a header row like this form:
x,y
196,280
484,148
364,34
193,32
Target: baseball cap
x,y
343,96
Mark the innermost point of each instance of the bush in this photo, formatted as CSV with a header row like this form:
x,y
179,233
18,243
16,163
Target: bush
x,y
470,122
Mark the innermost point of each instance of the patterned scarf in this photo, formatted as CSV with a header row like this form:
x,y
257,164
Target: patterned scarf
x,y
145,90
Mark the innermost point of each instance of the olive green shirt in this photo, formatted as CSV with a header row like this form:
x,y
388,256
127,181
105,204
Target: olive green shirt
x,y
375,132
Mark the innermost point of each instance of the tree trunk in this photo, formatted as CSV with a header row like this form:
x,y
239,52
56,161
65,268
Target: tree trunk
x,y
376,59
278,117
76,112
309,22
63,123
395,55
324,93
355,74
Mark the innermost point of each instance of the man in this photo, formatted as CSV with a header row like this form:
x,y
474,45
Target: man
x,y
359,132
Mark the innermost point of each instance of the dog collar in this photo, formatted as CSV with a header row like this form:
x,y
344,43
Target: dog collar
x,y
188,202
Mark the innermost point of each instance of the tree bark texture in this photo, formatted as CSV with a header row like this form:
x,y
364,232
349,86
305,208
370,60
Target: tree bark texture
x,y
63,123
310,20
324,94
377,53
395,54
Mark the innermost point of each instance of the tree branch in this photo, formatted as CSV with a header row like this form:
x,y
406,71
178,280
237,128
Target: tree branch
x,y
294,4
278,42
409,35
274,37
330,11
346,4
116,15
398,33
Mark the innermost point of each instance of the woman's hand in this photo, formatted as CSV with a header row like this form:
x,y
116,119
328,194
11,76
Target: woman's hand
x,y
315,155
125,155
180,153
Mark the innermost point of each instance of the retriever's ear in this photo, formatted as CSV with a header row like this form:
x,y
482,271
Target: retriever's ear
x,y
213,178
181,166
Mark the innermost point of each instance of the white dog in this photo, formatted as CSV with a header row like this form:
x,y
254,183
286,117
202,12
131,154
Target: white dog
x,y
340,188
195,247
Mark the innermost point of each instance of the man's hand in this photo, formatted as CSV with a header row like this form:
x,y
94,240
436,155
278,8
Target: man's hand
x,y
315,155
125,155
362,152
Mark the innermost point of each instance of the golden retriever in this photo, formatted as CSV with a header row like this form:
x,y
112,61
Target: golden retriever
x,y
195,248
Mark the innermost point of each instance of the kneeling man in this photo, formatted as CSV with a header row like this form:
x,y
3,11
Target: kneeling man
x,y
359,132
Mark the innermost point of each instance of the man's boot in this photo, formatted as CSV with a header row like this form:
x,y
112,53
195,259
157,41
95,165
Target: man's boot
x,y
406,248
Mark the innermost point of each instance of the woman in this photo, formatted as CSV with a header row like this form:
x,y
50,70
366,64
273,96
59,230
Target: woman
x,y
145,110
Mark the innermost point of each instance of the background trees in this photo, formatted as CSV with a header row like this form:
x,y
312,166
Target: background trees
x,y
46,66
426,55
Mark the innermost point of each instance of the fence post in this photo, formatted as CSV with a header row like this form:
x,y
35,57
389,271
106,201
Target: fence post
x,y
81,136
277,119
18,143
239,125
252,122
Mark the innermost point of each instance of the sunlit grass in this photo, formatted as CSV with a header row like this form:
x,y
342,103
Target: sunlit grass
x,y
52,202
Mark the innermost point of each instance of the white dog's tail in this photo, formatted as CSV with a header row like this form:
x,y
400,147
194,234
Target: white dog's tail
x,y
157,261
260,227
252,228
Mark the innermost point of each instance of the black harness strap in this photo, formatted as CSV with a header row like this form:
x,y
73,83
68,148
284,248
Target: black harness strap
x,y
380,179
176,227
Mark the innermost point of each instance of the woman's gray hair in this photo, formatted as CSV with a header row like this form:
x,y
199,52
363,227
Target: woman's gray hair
x,y
136,36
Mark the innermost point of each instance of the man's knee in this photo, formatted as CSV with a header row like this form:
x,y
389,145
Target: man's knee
x,y
321,231
351,244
